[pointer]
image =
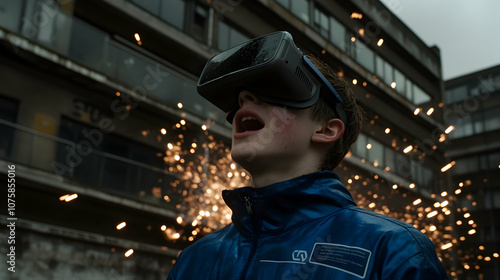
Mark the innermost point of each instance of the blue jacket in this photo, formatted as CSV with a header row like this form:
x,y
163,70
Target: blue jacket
x,y
307,228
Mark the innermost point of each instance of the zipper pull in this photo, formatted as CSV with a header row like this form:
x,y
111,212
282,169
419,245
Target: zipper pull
x,y
248,204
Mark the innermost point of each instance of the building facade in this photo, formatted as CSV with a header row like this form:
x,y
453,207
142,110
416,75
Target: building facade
x,y
473,108
119,161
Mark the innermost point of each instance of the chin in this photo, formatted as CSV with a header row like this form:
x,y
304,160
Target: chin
x,y
242,155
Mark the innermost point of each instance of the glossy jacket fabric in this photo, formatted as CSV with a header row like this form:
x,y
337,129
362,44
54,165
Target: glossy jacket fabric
x,y
308,228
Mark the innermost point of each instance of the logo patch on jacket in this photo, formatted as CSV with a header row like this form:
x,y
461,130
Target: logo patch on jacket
x,y
299,255
352,260
349,259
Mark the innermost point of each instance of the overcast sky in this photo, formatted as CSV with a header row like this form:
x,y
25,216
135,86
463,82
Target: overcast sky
x,y
466,31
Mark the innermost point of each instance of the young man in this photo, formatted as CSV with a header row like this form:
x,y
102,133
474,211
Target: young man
x,y
297,220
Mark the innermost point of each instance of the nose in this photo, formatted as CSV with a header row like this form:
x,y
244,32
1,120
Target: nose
x,y
247,96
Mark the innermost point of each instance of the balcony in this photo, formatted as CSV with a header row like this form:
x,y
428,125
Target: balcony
x,y
41,28
82,166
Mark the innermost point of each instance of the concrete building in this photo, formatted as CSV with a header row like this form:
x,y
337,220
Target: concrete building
x,y
473,108
119,164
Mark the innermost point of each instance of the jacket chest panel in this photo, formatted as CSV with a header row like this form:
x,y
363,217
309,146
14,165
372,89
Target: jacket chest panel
x,y
305,254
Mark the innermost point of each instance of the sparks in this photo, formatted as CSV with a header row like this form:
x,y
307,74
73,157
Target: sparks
x,y
408,149
449,129
432,214
129,253
448,166
355,15
447,246
68,197
121,225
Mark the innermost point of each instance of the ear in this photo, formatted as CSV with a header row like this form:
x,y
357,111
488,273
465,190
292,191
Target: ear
x,y
329,132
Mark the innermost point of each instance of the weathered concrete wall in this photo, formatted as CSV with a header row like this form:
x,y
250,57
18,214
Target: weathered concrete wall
x,y
42,257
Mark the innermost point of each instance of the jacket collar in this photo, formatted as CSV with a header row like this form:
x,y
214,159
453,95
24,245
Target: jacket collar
x,y
284,205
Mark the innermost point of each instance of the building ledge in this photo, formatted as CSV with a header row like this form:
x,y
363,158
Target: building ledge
x,y
44,178
19,43
89,237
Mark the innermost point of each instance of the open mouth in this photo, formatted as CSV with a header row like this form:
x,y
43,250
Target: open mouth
x,y
248,121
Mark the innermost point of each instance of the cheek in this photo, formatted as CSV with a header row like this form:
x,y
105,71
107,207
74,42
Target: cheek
x,y
284,125
288,137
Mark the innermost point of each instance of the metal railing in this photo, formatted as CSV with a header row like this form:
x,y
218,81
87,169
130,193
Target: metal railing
x,y
43,23
95,169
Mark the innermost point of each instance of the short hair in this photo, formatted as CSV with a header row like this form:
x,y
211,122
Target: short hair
x,y
323,112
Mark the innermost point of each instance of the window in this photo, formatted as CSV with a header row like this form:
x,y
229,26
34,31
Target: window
x,y
365,57
10,13
389,159
89,46
478,123
496,81
494,161
492,201
229,37
427,178
376,153
189,16
492,119
420,96
152,6
350,45
379,67
360,146
8,109
409,90
284,3
483,162
483,85
456,94
467,125
489,83
300,8
173,12
459,130
8,112
403,166
198,18
388,72
400,80
337,33
415,172
466,165
477,163
321,23
382,156
112,171
464,202
474,90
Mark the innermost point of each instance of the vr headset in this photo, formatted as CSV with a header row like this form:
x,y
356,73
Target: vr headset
x,y
273,69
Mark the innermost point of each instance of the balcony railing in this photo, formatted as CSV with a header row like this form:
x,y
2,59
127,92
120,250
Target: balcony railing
x,y
96,169
44,24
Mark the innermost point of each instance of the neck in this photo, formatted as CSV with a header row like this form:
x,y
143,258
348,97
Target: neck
x,y
264,175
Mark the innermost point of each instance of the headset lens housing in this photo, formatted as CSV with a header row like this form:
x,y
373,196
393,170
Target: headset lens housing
x,y
272,68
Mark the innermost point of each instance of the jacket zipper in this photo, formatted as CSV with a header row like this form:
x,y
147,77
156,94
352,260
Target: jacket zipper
x,y
248,205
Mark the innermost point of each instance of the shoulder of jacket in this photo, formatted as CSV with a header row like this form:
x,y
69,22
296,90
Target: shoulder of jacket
x,y
211,240
418,248
379,218
388,224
